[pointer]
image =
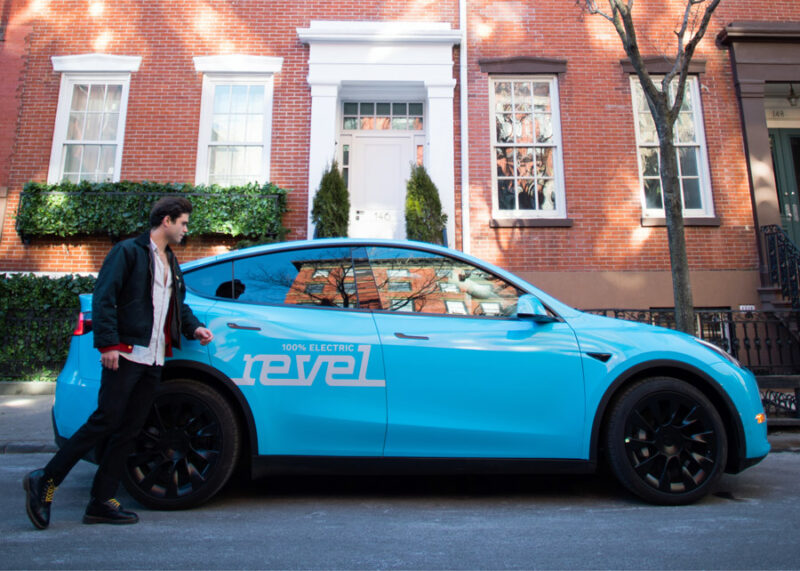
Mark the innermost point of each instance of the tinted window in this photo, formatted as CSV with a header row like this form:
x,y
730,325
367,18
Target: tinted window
x,y
425,282
215,280
319,276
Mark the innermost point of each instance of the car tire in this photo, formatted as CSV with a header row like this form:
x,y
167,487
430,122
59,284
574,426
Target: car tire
x,y
665,441
186,450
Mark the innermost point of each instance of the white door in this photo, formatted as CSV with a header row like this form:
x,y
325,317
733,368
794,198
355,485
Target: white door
x,y
379,165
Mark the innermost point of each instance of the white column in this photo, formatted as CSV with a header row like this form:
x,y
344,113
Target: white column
x,y
322,138
441,158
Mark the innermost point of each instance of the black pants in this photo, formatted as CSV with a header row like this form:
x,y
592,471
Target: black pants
x,y
122,406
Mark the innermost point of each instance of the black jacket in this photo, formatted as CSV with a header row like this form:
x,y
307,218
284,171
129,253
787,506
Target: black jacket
x,y
122,304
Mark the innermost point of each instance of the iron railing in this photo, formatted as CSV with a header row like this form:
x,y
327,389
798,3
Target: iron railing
x,y
766,342
783,262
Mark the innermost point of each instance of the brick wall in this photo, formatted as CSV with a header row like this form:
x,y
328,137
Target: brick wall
x,y
601,177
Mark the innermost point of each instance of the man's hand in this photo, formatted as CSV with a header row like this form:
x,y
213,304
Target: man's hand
x,y
203,335
110,359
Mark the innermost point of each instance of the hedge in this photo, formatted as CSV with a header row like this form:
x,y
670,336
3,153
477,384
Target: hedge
x,y
37,317
120,209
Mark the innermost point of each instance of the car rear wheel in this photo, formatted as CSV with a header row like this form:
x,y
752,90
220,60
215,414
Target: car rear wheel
x,y
186,450
665,441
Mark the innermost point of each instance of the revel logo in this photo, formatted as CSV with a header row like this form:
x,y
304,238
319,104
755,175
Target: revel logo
x,y
339,370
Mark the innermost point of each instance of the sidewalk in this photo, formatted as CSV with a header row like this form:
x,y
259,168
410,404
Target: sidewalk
x,y
26,426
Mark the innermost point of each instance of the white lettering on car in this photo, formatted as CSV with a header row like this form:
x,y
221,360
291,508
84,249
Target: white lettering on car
x,y
339,369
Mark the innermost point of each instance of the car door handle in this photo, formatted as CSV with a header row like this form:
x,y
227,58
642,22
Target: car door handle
x,y
245,327
404,336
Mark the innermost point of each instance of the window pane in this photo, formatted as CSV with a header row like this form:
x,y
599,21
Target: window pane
x,y
547,195
238,99
351,108
415,108
384,109
255,128
383,123
109,132
213,281
524,162
219,128
80,97
253,162
649,158
237,128
367,123
505,128
652,193
399,123
113,98
691,193
399,109
237,160
72,158
256,99
286,277
415,123
351,122
97,96
106,166
544,129
367,109
523,127
222,99
91,156
688,161
647,129
684,128
522,96
526,194
505,162
502,96
92,128
541,97
75,127
544,162
437,284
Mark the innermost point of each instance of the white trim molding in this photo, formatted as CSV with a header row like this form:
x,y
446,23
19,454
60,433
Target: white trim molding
x,y
96,63
238,64
359,58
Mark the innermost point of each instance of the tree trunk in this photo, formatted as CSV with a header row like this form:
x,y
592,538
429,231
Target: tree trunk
x,y
673,211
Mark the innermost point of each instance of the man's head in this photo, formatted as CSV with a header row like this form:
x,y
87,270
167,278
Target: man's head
x,y
170,216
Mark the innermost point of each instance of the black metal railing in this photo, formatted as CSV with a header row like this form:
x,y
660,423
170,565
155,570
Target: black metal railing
x,y
766,342
783,262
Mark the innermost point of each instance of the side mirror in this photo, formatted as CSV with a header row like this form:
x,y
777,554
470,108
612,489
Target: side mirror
x,y
529,307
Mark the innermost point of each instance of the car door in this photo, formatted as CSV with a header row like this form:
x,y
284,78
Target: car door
x,y
465,377
289,333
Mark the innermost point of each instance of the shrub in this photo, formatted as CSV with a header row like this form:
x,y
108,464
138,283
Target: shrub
x,y
331,210
120,209
37,317
424,218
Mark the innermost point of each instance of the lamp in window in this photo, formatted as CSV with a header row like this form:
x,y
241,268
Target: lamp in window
x,y
793,97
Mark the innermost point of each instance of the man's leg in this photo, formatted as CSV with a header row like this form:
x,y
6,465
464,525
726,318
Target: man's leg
x,y
115,390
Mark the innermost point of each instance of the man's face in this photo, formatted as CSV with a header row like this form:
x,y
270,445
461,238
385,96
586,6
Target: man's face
x,y
175,231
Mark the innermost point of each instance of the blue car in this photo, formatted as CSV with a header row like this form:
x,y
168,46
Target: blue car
x,y
361,356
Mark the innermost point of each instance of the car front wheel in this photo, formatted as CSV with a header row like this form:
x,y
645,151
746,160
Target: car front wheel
x,y
186,450
665,441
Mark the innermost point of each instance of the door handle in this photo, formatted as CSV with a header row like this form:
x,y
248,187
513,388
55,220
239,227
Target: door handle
x,y
404,336
244,327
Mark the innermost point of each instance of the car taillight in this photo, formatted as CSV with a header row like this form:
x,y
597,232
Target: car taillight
x,y
84,325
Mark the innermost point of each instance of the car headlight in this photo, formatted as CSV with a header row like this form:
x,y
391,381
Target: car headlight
x,y
721,352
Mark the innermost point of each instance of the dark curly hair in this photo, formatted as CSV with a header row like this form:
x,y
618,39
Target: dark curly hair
x,y
172,206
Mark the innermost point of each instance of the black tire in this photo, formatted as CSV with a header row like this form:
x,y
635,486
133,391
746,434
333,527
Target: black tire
x,y
665,441
186,450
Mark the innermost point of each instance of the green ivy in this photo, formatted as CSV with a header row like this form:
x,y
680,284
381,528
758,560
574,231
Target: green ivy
x,y
37,317
120,209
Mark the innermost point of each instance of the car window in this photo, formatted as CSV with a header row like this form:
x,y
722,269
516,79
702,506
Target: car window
x,y
318,276
215,280
425,282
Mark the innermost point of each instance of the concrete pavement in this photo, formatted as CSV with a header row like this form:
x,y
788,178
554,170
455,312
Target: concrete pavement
x,y
26,425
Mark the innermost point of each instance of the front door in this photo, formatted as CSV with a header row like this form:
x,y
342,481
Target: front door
x,y
786,159
380,165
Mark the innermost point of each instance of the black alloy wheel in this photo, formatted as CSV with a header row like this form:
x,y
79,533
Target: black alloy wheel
x,y
666,442
187,449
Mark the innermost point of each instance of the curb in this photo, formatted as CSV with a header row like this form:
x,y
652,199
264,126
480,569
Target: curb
x,y
27,387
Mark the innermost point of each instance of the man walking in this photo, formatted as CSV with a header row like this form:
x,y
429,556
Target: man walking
x,y
138,314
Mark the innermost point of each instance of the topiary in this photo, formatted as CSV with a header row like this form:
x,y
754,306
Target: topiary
x,y
424,218
331,210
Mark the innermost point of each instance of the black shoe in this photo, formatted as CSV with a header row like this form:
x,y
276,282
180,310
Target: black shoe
x,y
39,495
108,511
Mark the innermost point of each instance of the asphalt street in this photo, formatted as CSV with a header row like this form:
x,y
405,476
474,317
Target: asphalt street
x,y
573,522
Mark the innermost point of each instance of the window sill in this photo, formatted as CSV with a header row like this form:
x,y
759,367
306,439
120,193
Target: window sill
x,y
654,222
530,223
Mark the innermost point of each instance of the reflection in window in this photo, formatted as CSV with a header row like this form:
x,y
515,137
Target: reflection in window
x,y
320,276
426,282
214,281
371,116
689,146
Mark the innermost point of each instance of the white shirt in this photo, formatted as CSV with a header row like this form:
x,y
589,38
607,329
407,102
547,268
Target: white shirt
x,y
153,354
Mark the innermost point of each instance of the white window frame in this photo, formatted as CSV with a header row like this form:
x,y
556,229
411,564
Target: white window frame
x,y
98,69
693,87
234,70
560,211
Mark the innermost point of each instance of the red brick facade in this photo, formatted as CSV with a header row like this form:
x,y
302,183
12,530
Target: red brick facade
x,y
599,146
